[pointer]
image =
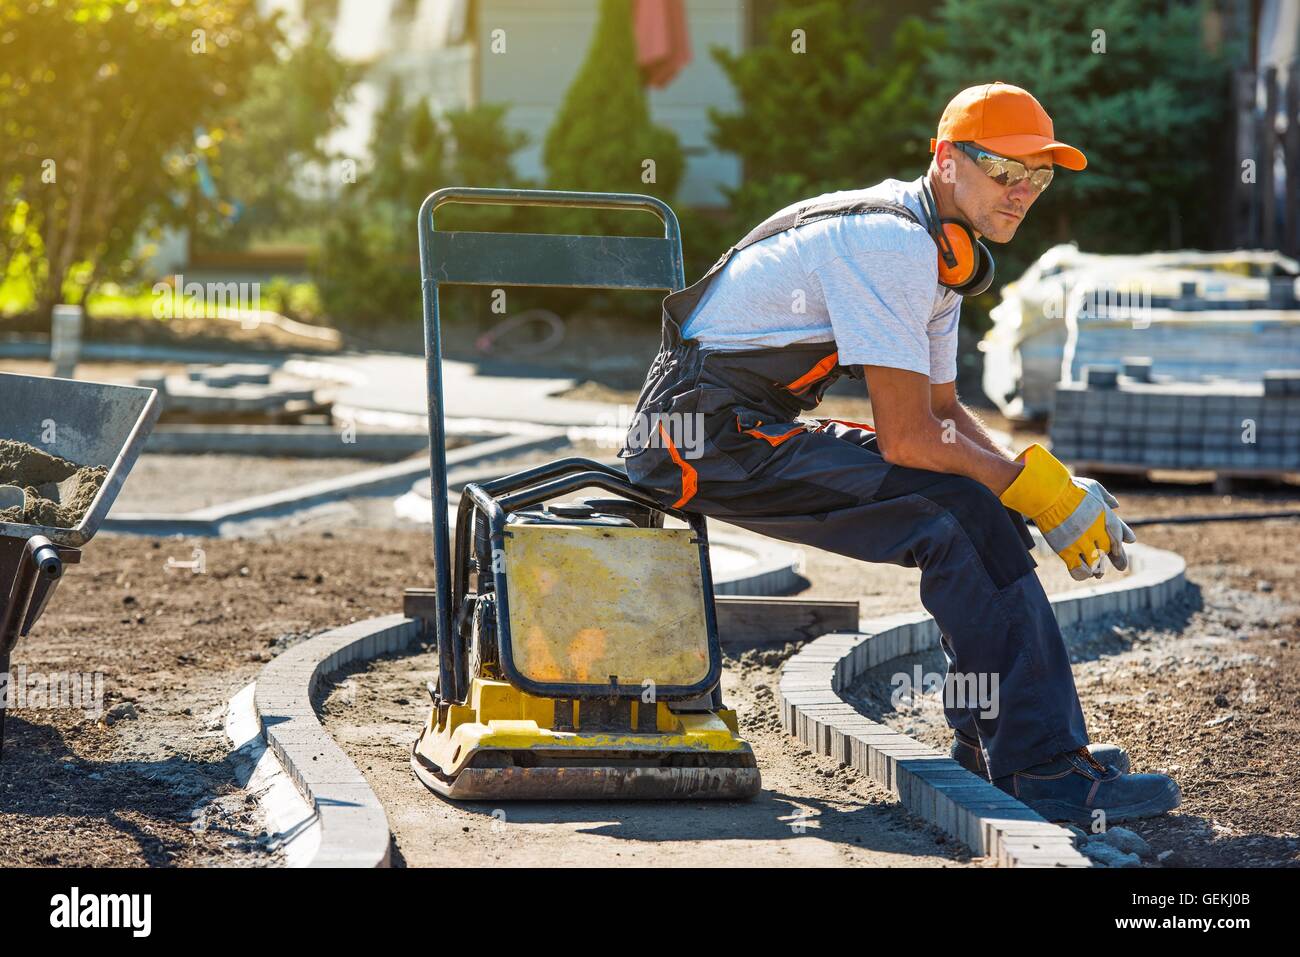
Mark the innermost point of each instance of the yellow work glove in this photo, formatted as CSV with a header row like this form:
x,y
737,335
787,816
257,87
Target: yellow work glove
x,y
1076,515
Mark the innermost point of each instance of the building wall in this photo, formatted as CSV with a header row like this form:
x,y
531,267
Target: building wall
x,y
546,44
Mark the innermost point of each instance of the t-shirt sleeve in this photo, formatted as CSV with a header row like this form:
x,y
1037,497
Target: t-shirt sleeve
x,y
943,344
880,296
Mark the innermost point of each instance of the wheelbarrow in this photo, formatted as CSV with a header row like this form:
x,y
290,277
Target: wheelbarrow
x,y
86,423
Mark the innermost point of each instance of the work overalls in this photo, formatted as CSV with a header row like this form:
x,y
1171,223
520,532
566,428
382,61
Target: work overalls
x,y
718,432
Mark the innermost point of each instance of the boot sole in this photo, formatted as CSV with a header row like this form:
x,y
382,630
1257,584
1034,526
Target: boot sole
x,y
1061,811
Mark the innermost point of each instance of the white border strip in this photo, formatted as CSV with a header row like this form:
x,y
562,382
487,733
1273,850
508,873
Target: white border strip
x,y
291,821
351,822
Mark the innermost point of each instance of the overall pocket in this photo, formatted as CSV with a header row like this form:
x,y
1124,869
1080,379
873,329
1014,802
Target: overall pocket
x,y
671,445
751,440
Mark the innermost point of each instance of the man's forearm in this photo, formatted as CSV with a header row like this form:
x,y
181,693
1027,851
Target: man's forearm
x,y
969,425
923,426
945,448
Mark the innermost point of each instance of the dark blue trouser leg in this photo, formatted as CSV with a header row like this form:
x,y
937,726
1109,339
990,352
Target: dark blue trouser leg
x,y
977,578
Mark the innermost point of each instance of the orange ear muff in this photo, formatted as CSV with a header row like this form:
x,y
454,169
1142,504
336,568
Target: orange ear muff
x,y
971,272
984,268
965,264
958,270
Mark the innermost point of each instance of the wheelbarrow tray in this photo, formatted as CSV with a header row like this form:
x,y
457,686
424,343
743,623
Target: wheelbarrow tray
x,y
87,423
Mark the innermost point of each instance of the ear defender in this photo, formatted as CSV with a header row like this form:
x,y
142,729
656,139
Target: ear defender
x,y
965,264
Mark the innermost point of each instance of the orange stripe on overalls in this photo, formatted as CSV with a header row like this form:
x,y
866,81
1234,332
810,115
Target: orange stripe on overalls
x,y
773,440
688,471
816,372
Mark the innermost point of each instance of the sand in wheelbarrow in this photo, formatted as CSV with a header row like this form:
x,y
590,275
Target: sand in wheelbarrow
x,y
58,492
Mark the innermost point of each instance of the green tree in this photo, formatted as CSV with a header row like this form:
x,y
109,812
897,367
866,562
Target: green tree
x,y
825,104
1131,83
367,267
275,139
388,181
107,108
602,136
484,146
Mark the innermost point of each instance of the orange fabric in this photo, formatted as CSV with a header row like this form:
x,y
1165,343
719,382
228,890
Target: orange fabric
x,y
663,45
816,372
774,440
1004,119
688,471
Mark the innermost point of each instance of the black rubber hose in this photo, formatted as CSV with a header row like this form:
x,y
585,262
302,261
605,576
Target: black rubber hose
x,y
1210,517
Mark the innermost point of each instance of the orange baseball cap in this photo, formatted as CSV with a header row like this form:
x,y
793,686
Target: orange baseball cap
x,y
1004,119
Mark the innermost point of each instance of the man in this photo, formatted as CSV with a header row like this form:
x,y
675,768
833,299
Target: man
x,y
867,283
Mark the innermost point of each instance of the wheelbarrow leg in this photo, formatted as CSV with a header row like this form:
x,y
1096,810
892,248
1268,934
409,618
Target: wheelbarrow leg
x,y
4,698
30,570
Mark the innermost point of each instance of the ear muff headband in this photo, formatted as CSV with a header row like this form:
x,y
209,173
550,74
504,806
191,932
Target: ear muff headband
x,y
965,264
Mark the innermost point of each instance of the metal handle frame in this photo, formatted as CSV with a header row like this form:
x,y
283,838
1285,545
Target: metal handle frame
x,y
445,599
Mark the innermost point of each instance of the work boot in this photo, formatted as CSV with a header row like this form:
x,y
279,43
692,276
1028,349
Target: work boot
x,y
966,751
1073,786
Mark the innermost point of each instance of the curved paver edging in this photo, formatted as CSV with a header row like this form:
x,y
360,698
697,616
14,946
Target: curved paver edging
x,y
929,783
353,829
775,570
353,826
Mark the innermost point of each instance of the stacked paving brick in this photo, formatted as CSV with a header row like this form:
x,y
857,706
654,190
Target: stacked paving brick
x,y
1126,419
1202,331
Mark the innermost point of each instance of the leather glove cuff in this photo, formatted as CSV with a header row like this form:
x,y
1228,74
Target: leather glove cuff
x,y
1041,484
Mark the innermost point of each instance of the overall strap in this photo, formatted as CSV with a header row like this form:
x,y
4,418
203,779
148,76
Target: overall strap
x,y
813,212
678,305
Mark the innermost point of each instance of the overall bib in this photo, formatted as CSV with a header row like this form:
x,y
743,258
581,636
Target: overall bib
x,y
719,432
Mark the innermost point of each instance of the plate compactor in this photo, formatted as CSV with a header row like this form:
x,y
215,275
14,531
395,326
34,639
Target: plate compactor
x,y
578,652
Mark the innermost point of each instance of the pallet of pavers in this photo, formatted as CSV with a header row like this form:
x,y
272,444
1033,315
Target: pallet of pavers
x,y
1126,420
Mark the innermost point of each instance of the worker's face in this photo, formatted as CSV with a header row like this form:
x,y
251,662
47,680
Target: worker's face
x,y
995,212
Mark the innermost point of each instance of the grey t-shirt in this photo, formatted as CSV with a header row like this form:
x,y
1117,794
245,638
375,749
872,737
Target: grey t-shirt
x,y
867,281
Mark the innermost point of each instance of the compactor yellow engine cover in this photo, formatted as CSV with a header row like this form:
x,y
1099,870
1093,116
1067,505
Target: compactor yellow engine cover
x,y
593,605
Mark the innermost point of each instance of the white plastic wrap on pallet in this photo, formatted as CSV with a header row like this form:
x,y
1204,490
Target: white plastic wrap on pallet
x,y
1029,349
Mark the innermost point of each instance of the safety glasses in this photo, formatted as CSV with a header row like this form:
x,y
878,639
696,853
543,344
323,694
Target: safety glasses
x,y
1003,171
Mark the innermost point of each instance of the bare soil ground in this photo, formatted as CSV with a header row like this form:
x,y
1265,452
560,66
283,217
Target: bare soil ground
x,y
158,789
189,482
810,812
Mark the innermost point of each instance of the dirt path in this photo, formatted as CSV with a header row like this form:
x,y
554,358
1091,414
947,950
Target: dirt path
x,y
810,813
173,646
